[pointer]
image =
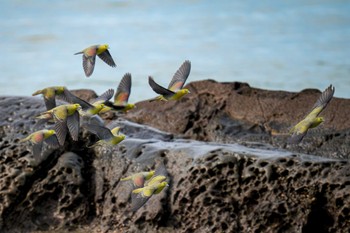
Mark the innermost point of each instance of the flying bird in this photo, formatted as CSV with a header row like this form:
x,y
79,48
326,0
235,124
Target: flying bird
x,y
174,90
65,116
122,96
141,195
139,179
89,57
152,187
50,94
39,137
107,137
311,120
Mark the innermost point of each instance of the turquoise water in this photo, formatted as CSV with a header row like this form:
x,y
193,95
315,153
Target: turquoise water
x,y
277,45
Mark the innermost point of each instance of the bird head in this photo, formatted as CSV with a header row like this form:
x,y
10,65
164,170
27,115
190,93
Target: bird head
x,y
104,46
51,132
129,106
104,108
185,91
319,120
77,107
115,131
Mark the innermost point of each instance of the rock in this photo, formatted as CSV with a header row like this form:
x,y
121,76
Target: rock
x,y
229,170
235,112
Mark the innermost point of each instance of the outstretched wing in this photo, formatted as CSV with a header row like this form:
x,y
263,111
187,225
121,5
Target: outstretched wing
x,y
180,77
123,91
107,95
61,131
322,101
73,99
37,147
50,102
138,200
89,64
102,132
107,58
159,89
73,125
52,141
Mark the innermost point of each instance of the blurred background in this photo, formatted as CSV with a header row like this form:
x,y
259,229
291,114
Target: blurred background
x,y
278,45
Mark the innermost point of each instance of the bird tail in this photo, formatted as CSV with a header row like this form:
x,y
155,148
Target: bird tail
x,y
137,190
78,53
126,178
37,92
24,139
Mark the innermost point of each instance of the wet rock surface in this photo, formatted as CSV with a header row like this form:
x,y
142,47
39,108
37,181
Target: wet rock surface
x,y
229,166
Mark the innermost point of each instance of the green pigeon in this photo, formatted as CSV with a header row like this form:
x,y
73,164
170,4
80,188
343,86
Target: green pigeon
x,y
311,120
152,187
174,90
65,116
39,137
107,137
122,95
50,94
139,179
89,57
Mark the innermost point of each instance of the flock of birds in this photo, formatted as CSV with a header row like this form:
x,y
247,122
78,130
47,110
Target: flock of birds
x,y
79,113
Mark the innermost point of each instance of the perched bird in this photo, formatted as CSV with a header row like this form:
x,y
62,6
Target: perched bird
x,y
39,137
65,116
174,91
89,57
107,137
139,178
141,195
311,120
50,94
122,96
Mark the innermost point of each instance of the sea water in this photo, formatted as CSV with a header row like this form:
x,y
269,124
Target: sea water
x,y
278,45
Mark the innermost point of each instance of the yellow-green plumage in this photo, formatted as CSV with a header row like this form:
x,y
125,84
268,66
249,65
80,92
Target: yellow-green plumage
x,y
140,178
311,120
50,94
65,116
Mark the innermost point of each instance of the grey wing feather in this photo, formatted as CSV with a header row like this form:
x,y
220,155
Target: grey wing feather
x,y
161,170
61,131
50,103
107,57
325,97
37,150
52,141
124,86
102,132
296,138
159,89
66,96
181,74
73,125
137,201
107,95
76,100
88,65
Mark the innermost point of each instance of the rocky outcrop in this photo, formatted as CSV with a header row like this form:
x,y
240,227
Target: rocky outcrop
x,y
228,171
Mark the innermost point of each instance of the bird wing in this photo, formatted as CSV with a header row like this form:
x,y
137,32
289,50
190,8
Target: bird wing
x,y
73,125
159,89
299,131
61,131
180,77
107,95
89,64
123,91
76,100
107,58
138,199
52,141
160,170
50,102
37,147
102,132
322,101
65,96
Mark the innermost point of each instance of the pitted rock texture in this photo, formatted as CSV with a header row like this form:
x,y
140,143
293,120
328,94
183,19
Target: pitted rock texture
x,y
246,187
236,112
